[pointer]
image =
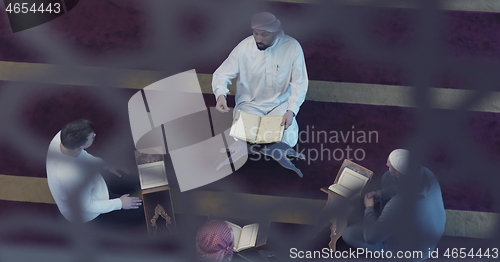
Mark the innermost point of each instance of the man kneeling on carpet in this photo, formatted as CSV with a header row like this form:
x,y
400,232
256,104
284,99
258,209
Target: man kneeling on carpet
x,y
412,215
79,189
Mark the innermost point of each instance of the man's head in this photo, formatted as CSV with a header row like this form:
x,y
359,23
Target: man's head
x,y
398,162
77,134
265,29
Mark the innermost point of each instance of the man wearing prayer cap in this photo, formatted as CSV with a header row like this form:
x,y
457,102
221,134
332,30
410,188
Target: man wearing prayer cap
x,y
271,71
412,215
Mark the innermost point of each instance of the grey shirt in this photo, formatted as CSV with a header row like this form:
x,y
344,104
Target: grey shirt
x,y
409,221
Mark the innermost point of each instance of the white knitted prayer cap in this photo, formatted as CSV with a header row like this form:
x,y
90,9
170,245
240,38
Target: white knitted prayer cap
x,y
400,160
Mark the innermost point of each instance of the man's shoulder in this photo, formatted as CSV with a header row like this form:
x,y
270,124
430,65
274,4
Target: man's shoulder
x,y
56,161
289,43
427,172
243,46
288,40
57,137
54,147
431,178
248,41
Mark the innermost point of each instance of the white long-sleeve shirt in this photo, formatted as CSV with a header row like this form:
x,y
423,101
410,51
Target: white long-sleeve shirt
x,y
67,175
267,78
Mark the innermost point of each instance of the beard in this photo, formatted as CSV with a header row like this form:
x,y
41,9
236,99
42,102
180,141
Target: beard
x,y
261,46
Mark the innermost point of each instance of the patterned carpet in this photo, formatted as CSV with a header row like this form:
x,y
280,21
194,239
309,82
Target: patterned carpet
x,y
156,38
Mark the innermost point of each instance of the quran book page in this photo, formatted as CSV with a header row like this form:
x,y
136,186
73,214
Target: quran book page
x,y
237,127
340,190
236,233
270,129
352,180
245,126
152,175
248,236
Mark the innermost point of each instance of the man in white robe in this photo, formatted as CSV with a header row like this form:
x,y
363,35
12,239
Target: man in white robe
x,y
271,71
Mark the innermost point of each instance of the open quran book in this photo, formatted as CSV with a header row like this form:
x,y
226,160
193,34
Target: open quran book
x,y
152,175
351,179
151,168
244,237
256,129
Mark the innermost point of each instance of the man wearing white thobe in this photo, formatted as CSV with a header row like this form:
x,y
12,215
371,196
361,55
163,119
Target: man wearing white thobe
x,y
271,71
